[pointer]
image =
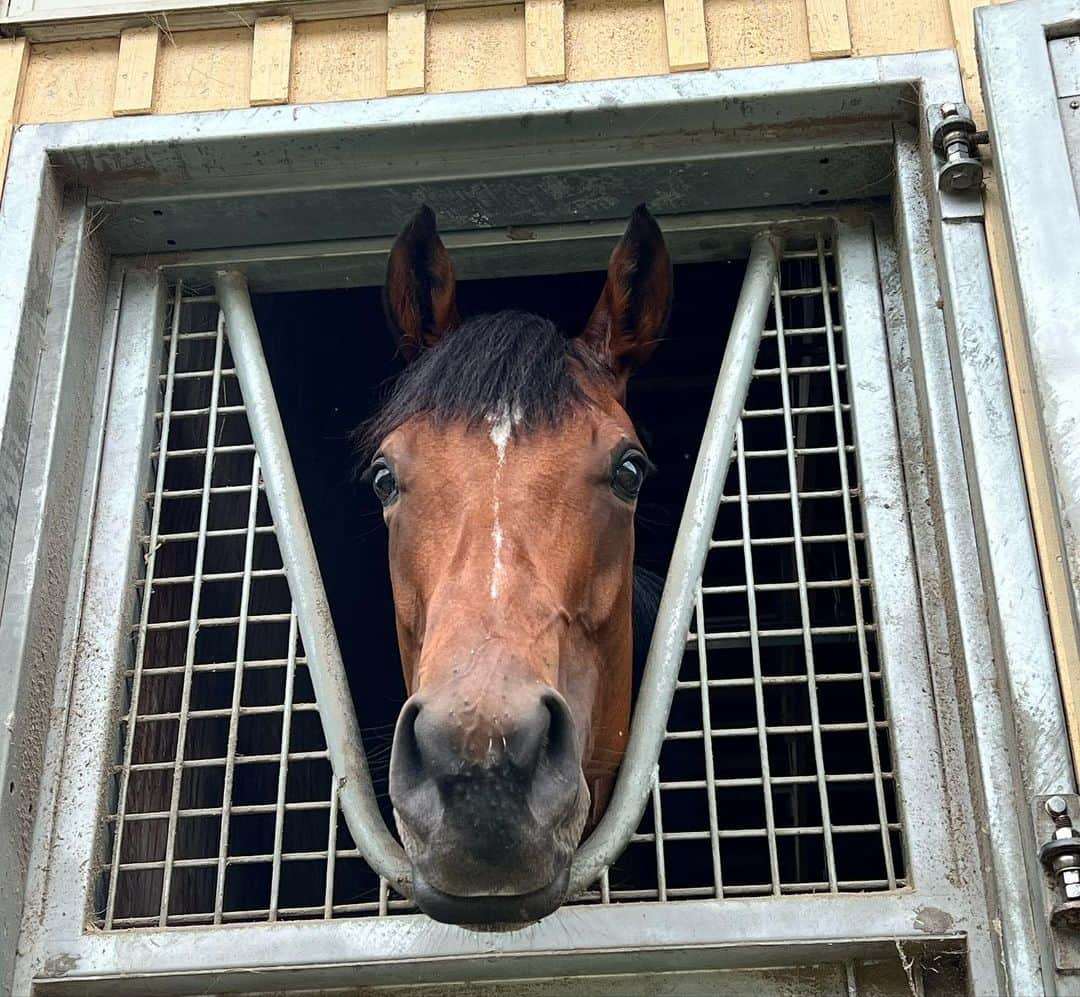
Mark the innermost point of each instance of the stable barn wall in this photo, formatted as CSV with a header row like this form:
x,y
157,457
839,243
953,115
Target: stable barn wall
x,y
411,49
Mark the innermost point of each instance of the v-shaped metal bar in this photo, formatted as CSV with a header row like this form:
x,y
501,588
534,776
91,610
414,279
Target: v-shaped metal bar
x,y
356,794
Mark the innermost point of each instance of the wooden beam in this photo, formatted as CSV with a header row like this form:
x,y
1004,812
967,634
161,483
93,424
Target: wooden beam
x,y
688,46
271,60
406,33
545,41
828,29
14,58
135,71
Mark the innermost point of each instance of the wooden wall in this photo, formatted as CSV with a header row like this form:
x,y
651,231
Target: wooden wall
x,y
411,49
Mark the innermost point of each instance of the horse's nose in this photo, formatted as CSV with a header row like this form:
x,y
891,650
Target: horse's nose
x,y
518,750
443,739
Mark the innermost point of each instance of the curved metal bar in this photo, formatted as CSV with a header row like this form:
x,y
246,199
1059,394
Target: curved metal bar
x,y
631,793
356,795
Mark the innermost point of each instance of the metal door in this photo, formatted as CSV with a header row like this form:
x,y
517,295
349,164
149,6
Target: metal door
x,y
1029,59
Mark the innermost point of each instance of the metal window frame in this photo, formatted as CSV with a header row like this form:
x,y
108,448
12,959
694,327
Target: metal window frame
x,y
976,567
1042,216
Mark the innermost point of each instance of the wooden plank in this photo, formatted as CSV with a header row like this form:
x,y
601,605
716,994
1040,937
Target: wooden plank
x,y
609,39
884,27
756,32
343,59
545,41
14,58
203,71
406,34
828,29
475,48
687,43
135,71
271,60
70,81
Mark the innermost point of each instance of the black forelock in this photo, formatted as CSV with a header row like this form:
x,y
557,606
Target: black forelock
x,y
510,361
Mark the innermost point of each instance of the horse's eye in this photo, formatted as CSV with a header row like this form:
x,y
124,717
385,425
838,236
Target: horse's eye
x,y
383,483
628,475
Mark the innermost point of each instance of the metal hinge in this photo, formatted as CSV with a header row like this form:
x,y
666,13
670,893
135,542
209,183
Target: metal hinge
x,y
1060,854
956,140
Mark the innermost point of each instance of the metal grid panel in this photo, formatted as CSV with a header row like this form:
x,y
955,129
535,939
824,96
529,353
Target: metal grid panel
x,y
225,809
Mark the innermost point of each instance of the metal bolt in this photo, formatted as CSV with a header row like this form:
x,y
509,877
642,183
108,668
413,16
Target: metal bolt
x,y
1061,857
1058,810
953,140
1074,104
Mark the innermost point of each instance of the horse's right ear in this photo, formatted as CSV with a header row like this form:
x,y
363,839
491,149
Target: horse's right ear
x,y
419,296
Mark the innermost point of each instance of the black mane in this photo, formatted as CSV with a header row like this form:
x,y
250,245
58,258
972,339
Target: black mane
x,y
510,361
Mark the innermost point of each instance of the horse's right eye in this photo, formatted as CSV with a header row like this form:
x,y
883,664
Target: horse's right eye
x,y
383,483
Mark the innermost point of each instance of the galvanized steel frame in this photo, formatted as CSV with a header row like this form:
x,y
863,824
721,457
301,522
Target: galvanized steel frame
x,y
1038,189
132,164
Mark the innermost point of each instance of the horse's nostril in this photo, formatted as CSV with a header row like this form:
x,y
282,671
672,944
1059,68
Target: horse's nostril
x,y
406,749
560,728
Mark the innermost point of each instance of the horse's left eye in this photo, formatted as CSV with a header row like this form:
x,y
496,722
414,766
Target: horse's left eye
x,y
628,476
383,483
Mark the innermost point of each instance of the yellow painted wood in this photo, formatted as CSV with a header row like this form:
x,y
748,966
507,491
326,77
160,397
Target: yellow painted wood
x,y
271,60
962,16
70,81
135,71
14,59
607,39
475,48
756,32
343,59
881,27
545,41
203,70
406,31
828,30
687,44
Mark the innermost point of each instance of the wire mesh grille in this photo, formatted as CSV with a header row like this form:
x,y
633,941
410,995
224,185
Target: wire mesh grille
x,y
223,807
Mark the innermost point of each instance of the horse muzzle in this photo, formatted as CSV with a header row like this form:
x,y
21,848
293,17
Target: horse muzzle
x,y
489,804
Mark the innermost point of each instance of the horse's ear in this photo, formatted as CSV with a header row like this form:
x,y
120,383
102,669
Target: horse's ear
x,y
632,313
420,292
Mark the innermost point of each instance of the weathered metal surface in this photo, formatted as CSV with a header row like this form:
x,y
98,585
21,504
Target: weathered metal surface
x,y
41,551
991,735
1043,221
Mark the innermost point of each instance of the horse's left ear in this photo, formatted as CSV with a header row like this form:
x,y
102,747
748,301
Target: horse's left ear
x,y
632,313
420,294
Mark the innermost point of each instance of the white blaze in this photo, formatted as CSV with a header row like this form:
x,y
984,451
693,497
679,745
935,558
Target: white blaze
x,y
501,428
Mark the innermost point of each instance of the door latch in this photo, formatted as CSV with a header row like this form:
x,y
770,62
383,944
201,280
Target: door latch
x,y
955,139
1061,856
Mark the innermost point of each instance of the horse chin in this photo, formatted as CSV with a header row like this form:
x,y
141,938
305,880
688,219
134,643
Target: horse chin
x,y
491,913
499,908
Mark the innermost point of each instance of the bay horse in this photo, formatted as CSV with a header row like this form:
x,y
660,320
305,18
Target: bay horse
x,y
508,470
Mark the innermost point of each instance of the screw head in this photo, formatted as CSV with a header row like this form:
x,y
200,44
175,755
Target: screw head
x,y
1057,807
960,174
949,110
